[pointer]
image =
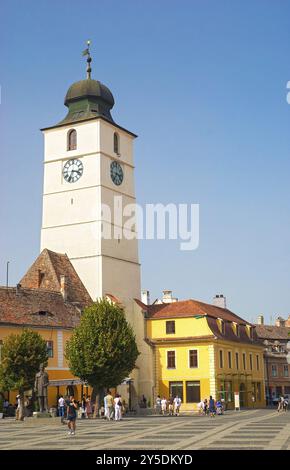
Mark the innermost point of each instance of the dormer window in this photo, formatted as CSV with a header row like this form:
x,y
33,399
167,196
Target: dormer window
x,y
221,325
236,328
250,331
72,139
116,143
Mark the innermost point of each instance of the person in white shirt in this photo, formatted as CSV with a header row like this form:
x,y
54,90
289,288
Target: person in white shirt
x,y
61,405
118,407
163,405
177,405
200,407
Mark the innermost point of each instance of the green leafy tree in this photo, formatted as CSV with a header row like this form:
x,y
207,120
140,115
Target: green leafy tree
x,y
102,350
21,357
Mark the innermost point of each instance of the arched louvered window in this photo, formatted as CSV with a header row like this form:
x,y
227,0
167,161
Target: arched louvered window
x,y
72,140
116,143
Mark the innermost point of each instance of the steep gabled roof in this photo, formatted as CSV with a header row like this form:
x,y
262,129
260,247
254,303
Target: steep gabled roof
x,y
46,271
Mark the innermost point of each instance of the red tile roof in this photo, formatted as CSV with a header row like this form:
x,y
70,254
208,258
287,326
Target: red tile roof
x,y
22,307
46,272
193,308
273,332
189,308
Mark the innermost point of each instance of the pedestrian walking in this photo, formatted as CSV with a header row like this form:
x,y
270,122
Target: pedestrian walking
x,y
83,407
163,405
205,406
88,407
18,402
211,407
170,406
71,415
109,405
158,404
118,407
200,407
61,405
176,405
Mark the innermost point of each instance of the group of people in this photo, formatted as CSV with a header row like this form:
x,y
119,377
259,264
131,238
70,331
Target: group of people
x,y
84,407
282,404
169,407
70,409
211,407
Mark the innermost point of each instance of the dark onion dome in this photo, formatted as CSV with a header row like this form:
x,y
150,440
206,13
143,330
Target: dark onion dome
x,y
89,89
87,99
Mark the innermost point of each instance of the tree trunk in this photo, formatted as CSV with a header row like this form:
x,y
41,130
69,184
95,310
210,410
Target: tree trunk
x,y
95,394
21,408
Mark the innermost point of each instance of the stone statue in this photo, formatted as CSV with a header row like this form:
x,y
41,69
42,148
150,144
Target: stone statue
x,y
40,387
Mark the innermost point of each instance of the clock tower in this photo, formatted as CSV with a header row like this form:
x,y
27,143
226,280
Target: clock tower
x,y
88,180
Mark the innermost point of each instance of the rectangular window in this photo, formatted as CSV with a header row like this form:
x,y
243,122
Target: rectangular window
x,y
193,392
237,360
274,371
230,359
170,327
193,358
285,371
222,327
176,388
258,362
251,362
221,359
171,360
49,348
287,390
238,330
244,361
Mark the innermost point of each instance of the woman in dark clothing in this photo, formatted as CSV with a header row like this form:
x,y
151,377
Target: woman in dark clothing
x,y
211,407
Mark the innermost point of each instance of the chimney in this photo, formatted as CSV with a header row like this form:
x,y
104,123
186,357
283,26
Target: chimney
x,y
63,287
145,296
167,297
280,322
220,301
260,320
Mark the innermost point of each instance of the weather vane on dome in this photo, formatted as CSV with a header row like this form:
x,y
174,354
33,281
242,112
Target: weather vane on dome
x,y
89,59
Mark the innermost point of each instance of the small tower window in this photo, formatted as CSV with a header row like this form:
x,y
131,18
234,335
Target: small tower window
x,y
116,143
72,140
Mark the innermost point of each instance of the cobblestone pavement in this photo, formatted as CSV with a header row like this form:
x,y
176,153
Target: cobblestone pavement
x,y
249,429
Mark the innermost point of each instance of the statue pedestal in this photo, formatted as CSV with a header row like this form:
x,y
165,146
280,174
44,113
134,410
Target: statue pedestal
x,y
44,414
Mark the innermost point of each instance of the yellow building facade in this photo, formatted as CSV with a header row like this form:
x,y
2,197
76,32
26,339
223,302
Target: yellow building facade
x,y
201,350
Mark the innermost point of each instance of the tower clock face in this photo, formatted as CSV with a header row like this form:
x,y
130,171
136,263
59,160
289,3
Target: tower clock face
x,y
72,170
117,174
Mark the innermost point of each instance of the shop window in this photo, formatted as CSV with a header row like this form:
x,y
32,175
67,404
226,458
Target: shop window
x,y
176,389
193,392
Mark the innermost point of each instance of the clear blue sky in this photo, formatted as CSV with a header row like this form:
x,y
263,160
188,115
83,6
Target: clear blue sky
x,y
203,84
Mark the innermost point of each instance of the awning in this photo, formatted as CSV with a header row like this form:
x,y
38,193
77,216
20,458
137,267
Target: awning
x,y
67,382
